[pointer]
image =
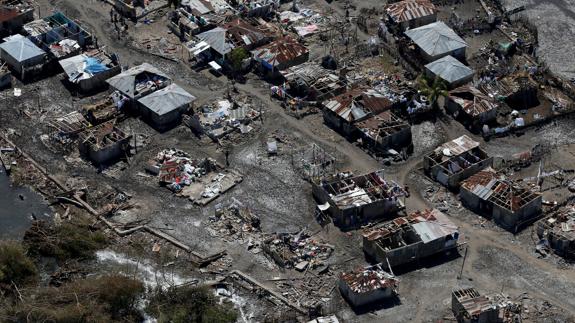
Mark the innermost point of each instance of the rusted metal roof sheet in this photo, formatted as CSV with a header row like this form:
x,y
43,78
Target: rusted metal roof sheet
x,y
458,146
367,280
479,104
407,10
357,103
280,51
243,33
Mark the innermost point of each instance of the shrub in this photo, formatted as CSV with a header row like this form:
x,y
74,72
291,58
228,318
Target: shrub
x,y
189,304
66,241
15,265
96,299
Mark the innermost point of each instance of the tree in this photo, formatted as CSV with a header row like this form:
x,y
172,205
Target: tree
x,y
236,57
175,3
432,88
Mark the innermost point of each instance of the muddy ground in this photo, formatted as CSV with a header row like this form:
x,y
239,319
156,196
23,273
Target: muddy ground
x,y
496,260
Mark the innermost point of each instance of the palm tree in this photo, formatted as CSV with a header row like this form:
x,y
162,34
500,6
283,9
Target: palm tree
x,y
432,88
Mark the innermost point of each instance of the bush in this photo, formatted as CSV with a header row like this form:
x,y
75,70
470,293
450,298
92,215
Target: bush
x,y
189,304
66,241
97,299
15,265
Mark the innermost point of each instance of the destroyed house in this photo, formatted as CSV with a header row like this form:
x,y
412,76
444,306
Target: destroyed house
x,y
257,8
222,118
355,201
345,110
297,250
367,286
511,205
411,238
135,9
471,105
5,76
455,161
164,108
53,29
22,56
558,230
470,307
139,81
518,91
280,54
437,40
90,70
104,144
313,82
411,13
13,15
385,131
243,34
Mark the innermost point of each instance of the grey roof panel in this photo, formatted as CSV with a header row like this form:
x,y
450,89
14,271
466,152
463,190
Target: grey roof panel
x,y
21,48
449,69
167,99
436,38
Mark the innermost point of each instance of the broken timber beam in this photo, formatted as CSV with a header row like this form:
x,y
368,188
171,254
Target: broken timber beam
x,y
284,300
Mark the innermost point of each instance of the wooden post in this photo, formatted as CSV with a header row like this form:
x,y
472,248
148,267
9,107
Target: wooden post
x,y
463,264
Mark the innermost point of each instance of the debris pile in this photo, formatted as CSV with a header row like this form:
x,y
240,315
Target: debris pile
x,y
298,251
175,168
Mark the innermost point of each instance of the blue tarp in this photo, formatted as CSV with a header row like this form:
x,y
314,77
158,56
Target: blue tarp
x,y
94,66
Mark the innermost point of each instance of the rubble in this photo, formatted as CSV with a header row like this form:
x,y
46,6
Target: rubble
x,y
200,180
297,250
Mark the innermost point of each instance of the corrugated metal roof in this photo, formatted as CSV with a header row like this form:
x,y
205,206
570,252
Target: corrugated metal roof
x,y
436,38
479,104
216,38
407,10
280,51
449,69
167,99
126,82
21,48
458,146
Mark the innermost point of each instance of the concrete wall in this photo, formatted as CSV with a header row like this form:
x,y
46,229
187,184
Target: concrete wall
x,y
340,125
99,80
452,181
418,22
165,121
352,216
108,154
513,221
398,140
19,67
5,80
362,299
406,254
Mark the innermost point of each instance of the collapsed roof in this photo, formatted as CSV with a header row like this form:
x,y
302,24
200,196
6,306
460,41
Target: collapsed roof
x,y
407,10
126,82
436,39
356,104
280,52
367,280
472,100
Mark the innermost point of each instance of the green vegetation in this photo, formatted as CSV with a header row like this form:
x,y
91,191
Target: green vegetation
x,y
189,304
15,266
97,299
65,241
432,88
236,57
